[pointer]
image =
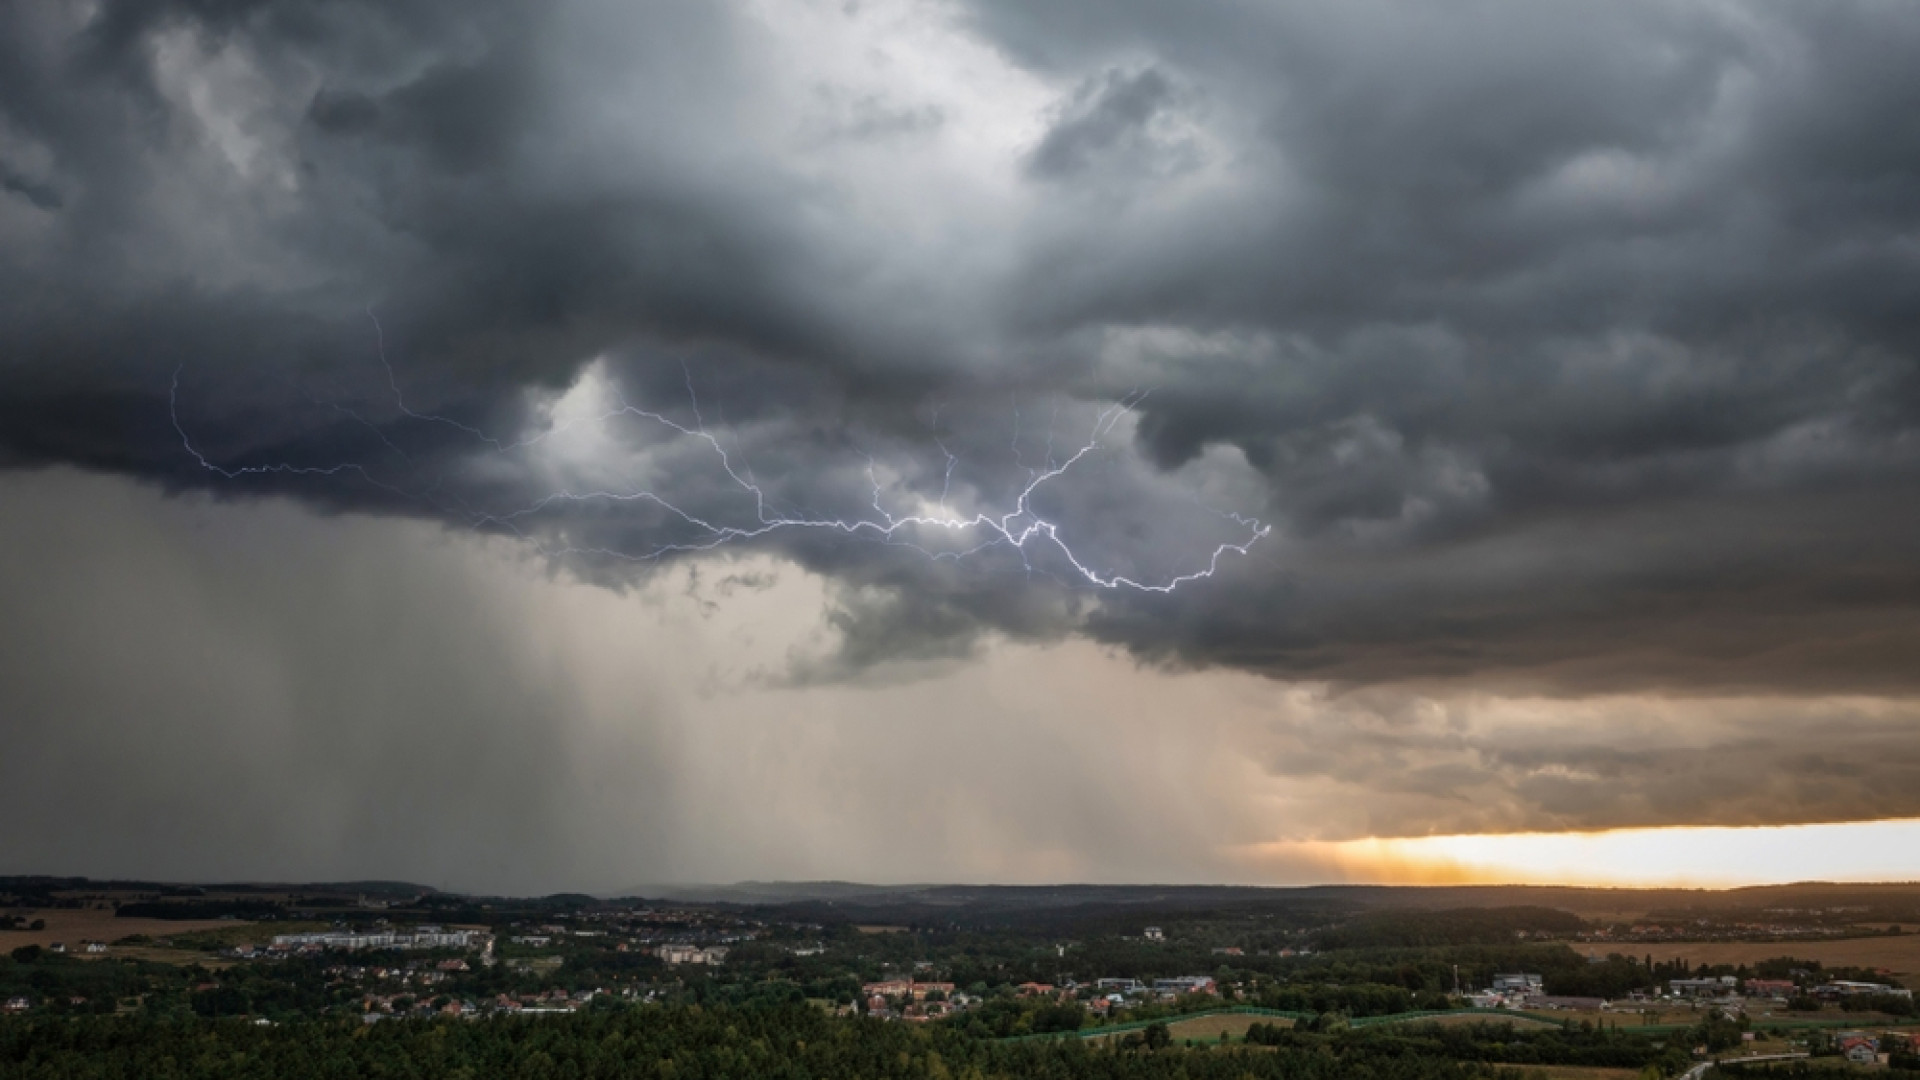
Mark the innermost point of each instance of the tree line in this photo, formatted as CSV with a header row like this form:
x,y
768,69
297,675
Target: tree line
x,y
686,1042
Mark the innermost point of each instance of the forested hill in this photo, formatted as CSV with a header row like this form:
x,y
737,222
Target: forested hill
x,y
1460,926
1043,905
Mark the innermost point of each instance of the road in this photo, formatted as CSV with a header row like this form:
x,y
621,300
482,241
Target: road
x,y
1700,1070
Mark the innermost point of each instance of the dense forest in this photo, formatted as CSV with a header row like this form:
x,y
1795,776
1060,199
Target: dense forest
x,y
1908,1068
772,1041
1461,926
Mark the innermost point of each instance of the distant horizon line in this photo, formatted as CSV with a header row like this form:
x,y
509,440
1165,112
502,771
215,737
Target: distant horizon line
x,y
664,890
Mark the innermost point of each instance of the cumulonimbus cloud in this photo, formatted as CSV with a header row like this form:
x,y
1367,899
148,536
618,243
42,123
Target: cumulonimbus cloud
x,y
1570,348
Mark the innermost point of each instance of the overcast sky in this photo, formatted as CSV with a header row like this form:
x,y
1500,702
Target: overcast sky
x,y
474,441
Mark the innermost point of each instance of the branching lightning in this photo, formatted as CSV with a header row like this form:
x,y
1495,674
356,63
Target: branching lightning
x,y
1020,528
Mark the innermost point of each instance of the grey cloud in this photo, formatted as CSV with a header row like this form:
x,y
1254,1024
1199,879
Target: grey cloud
x,y
343,113
869,117
1478,763
1571,350
41,195
1109,117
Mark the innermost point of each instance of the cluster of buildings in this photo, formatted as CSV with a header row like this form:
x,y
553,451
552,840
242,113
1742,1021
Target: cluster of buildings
x,y
424,937
22,1003
553,1001
1726,988
1109,996
377,1007
1711,987
1858,1047
910,999
417,973
1862,1048
1155,933
93,947
1709,930
1519,990
678,937
1526,991
1846,988
680,953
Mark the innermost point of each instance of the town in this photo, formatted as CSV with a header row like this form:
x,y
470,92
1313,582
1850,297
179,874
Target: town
x,y
1083,965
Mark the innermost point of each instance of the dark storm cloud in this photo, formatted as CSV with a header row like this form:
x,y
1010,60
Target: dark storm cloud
x,y
1574,347
39,194
1107,114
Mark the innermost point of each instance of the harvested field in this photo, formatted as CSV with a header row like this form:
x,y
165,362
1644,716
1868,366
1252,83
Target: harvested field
x,y
180,957
1626,1017
1201,1027
1210,1028
1764,1016
1474,1019
1583,1072
1836,1066
70,927
1899,954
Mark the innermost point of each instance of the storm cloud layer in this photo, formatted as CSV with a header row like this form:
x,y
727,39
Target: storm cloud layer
x,y
202,689
1565,349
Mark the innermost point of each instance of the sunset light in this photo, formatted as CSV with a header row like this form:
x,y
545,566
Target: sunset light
x,y
1687,857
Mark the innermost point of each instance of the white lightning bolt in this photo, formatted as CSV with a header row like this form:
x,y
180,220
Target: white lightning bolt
x,y
1020,527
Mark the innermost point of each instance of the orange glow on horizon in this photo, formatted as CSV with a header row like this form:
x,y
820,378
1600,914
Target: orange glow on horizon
x,y
1691,857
